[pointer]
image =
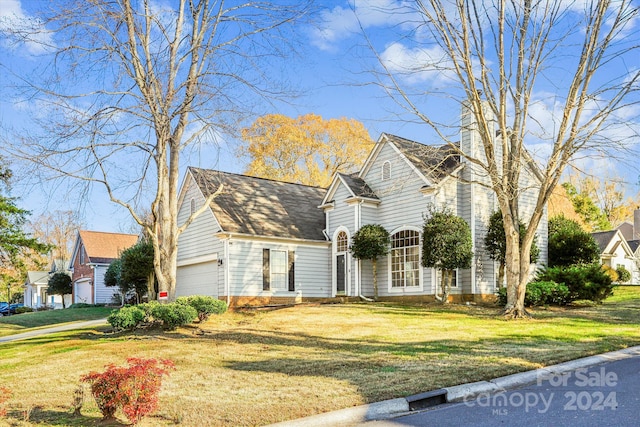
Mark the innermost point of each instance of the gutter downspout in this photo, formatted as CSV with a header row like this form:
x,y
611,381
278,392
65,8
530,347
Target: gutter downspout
x,y
227,283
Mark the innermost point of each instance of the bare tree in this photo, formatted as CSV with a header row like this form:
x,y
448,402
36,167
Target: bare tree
x,y
132,84
58,229
501,62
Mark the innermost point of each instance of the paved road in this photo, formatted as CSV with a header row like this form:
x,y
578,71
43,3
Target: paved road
x,y
602,395
53,329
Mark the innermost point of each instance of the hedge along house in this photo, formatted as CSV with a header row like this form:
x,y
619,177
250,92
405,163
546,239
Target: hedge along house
x,y
265,241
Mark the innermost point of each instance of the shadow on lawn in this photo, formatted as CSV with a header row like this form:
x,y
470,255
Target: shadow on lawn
x,y
39,416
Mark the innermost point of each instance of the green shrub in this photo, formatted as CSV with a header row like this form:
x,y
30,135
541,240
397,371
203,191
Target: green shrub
x,y
624,275
585,282
128,317
204,305
540,293
85,305
173,314
21,310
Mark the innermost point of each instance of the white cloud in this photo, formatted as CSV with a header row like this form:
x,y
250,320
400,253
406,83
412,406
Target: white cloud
x,y
417,64
20,30
342,22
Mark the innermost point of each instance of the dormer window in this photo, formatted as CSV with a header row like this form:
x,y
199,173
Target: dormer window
x,y
386,171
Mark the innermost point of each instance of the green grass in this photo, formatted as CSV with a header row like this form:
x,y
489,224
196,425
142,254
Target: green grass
x,y
19,323
260,367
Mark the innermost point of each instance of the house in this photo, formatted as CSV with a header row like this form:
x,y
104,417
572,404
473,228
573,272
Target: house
x,y
615,252
36,285
92,254
631,233
263,241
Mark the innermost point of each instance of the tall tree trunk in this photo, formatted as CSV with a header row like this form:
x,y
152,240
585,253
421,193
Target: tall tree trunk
x,y
500,283
516,280
447,276
374,262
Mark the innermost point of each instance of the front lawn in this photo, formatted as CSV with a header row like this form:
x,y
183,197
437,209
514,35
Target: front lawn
x,y
260,367
18,323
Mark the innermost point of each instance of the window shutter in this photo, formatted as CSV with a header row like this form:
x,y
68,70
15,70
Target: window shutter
x,y
292,269
266,272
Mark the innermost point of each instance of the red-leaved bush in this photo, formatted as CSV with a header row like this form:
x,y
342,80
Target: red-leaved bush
x,y
132,388
5,394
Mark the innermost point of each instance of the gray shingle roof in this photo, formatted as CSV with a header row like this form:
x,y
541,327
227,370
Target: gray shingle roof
x,y
434,161
358,186
603,238
263,207
634,244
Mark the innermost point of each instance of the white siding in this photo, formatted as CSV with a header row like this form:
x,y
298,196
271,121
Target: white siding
x,y
402,205
342,214
102,294
312,268
198,239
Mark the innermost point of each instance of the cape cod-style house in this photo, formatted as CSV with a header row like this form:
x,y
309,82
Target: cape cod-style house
x,y
264,241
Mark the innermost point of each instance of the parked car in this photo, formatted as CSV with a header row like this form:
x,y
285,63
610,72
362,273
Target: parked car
x,y
13,307
4,308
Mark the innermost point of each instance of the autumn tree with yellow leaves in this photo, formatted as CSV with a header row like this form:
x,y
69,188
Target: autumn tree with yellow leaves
x,y
307,150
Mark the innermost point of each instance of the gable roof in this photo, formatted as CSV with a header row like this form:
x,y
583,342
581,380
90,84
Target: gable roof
x,y
606,238
37,277
357,186
603,238
263,207
102,248
435,162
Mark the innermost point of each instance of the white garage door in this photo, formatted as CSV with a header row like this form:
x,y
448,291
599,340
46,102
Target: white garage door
x,y
197,279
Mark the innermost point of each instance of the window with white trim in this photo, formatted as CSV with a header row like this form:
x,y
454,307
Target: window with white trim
x,y
386,170
405,259
342,242
278,270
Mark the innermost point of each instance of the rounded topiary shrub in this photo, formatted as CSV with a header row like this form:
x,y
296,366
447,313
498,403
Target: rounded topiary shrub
x,y
624,275
173,314
204,305
128,317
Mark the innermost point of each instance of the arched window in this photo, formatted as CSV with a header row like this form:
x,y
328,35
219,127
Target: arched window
x,y
193,206
405,259
342,242
386,171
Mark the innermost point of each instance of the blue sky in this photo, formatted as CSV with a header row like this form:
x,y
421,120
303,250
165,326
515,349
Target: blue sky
x,y
332,76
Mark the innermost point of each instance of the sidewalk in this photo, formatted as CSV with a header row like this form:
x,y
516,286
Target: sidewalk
x,y
53,329
402,406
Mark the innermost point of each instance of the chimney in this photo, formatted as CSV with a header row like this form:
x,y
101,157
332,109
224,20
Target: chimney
x,y
636,224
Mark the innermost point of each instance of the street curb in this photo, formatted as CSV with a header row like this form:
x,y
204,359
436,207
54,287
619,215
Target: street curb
x,y
350,416
404,405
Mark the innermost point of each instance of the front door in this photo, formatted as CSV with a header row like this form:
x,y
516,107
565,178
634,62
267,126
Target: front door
x,y
341,276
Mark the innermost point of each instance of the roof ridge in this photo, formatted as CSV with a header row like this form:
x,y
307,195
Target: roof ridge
x,y
256,177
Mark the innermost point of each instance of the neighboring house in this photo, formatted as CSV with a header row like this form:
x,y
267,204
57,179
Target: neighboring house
x,y
92,254
36,285
264,241
631,230
631,233
615,251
